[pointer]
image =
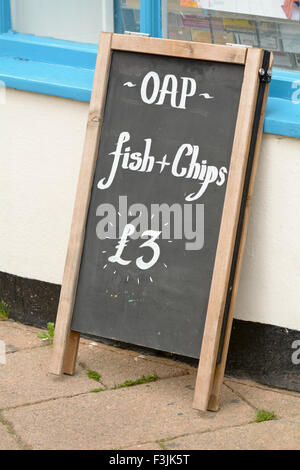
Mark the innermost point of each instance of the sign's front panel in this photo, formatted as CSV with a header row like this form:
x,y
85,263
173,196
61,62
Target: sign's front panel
x,y
156,202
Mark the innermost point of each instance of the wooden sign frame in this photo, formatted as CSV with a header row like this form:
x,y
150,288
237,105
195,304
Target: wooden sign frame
x,y
210,374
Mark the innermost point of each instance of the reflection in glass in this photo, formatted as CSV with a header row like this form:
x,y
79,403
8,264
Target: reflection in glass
x,y
282,36
127,15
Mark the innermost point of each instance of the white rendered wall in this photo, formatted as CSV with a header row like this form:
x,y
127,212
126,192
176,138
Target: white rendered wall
x,y
269,289
40,151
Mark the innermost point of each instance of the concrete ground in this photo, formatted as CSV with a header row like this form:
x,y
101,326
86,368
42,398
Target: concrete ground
x,y
40,411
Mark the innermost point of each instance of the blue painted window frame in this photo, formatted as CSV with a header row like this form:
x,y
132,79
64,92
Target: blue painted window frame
x,y
151,17
66,69
44,65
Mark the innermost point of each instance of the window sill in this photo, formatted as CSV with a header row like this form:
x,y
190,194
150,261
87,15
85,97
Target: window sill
x,y
283,107
48,79
282,117
46,65
66,69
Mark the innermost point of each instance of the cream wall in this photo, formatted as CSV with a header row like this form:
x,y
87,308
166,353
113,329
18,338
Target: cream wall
x,y
40,152
269,290
41,143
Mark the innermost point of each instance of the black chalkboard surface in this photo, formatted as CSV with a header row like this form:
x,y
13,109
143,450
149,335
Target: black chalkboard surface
x,y
162,202
162,307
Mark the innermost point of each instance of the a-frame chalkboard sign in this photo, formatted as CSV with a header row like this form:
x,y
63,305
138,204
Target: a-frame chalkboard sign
x,y
162,203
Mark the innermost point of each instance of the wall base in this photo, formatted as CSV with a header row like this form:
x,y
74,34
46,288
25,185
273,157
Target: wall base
x,y
31,302
257,351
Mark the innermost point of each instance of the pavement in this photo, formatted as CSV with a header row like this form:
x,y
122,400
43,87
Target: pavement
x,y
41,411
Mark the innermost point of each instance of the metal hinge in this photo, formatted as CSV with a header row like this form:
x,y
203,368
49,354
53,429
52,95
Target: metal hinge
x,y
242,46
133,33
265,75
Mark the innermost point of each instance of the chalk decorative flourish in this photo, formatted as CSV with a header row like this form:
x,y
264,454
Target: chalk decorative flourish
x,y
207,96
129,84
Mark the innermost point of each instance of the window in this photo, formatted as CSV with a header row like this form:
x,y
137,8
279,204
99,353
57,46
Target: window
x,y
127,16
258,23
73,20
50,46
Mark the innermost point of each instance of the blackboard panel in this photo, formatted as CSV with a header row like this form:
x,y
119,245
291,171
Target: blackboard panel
x,y
165,306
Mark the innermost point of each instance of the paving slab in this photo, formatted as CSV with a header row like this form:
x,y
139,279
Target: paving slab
x,y
116,366
263,398
269,435
25,378
124,418
18,337
7,440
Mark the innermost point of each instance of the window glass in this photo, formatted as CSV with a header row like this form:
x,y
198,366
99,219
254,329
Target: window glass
x,y
127,16
74,20
258,23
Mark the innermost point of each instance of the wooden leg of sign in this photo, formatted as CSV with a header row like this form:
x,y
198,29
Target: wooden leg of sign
x,y
228,231
71,353
65,344
214,401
